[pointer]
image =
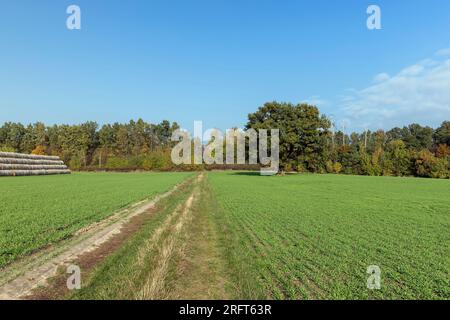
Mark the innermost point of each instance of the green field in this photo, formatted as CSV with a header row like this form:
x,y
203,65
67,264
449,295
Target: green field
x,y
313,236
38,211
245,236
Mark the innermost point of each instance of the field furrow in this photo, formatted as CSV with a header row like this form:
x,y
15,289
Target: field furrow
x,y
314,236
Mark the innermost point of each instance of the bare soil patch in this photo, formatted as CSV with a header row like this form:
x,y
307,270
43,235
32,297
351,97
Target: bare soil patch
x,y
86,249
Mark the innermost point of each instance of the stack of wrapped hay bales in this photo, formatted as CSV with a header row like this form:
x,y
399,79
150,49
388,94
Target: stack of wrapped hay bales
x,y
17,164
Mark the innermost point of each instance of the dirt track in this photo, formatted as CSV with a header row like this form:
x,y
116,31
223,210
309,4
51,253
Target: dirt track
x,y
105,235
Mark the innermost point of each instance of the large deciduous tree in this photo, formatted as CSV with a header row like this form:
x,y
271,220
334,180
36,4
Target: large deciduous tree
x,y
303,133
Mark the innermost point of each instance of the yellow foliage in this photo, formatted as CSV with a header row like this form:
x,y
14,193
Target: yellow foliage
x,y
39,150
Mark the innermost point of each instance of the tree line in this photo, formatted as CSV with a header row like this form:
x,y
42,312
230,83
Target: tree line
x,y
120,146
308,143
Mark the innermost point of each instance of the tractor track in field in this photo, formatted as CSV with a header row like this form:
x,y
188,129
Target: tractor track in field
x,y
178,257
154,284
87,248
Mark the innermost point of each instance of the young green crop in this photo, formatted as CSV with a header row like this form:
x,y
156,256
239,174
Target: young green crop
x,y
282,237
314,236
38,211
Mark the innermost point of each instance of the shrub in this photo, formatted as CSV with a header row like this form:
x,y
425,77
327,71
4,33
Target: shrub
x,y
147,164
427,165
75,163
135,162
117,163
288,167
7,149
440,169
39,150
337,167
329,166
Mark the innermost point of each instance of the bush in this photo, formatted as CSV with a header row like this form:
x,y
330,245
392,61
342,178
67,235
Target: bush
x,y
158,161
288,167
7,149
427,165
337,167
440,169
147,164
135,162
39,150
329,166
116,163
333,167
75,163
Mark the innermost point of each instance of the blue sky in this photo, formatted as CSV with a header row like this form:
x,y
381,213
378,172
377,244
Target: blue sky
x,y
218,60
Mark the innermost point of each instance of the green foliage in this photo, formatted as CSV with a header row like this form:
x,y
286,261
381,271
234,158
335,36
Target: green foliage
x,y
349,159
303,132
12,135
136,161
418,137
117,163
306,144
158,160
337,167
441,169
366,163
329,166
75,163
81,146
7,149
333,167
442,134
398,158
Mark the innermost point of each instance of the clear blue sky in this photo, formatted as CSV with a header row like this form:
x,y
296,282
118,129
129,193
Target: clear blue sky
x,y
218,60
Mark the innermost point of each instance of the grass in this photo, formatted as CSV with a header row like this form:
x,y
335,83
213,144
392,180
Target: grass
x,y
123,273
177,244
313,236
42,210
245,236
